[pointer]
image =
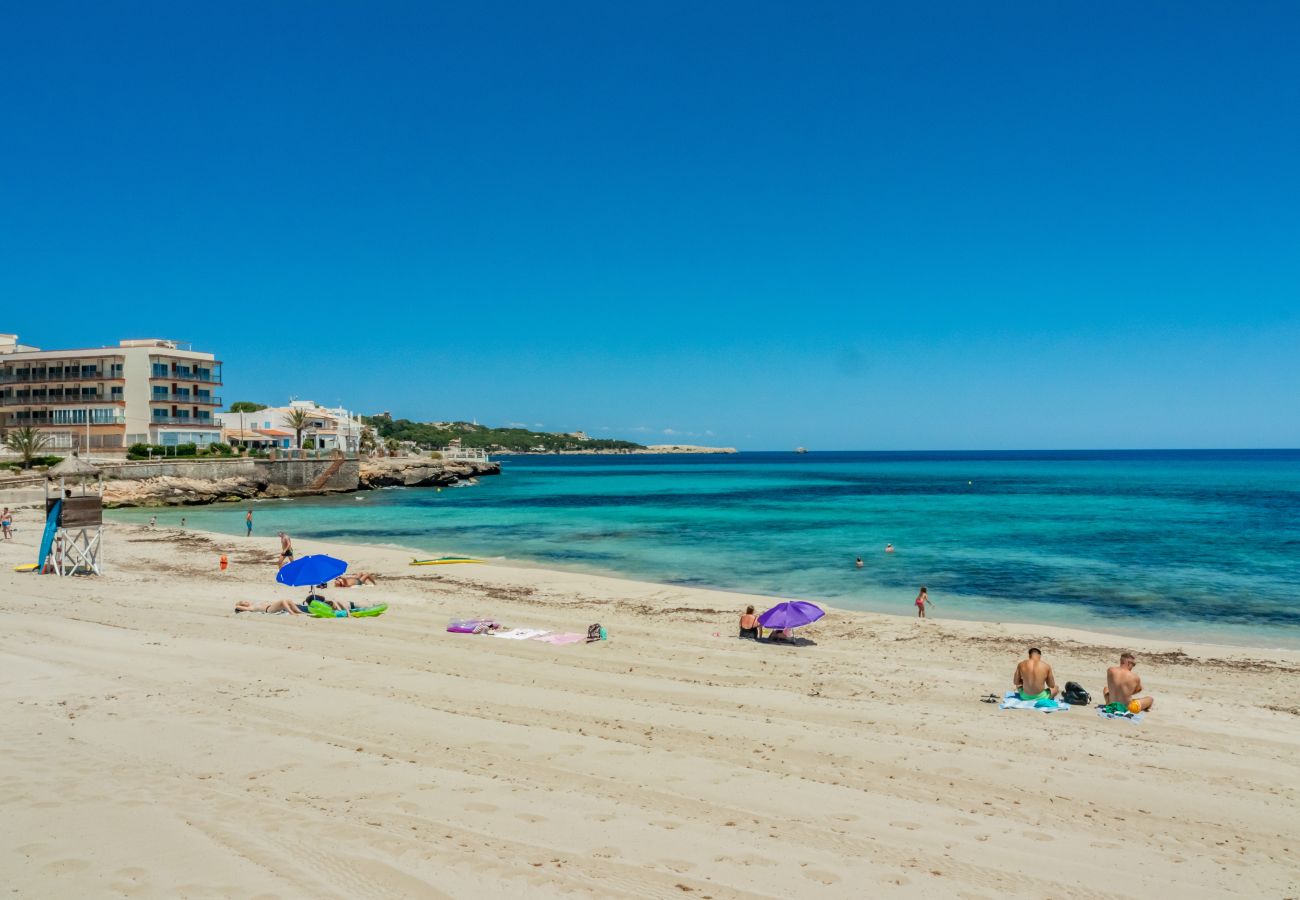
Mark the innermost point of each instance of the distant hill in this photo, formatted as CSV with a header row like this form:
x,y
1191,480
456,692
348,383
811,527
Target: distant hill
x,y
518,440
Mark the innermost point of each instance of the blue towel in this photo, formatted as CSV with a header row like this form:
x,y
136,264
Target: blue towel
x,y
1012,701
1132,717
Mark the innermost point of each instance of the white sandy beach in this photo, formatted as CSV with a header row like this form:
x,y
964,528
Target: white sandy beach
x,y
158,745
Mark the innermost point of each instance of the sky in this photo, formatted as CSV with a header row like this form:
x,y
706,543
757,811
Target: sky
x,y
763,225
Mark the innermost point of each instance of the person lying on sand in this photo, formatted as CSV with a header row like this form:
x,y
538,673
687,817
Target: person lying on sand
x,y
275,606
315,594
1033,678
1123,685
749,624
783,635
354,579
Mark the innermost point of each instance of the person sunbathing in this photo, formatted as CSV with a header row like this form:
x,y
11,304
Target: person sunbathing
x,y
1123,685
275,606
781,636
315,594
749,624
1033,678
353,580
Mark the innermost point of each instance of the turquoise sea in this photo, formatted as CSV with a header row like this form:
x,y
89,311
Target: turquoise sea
x,y
1197,545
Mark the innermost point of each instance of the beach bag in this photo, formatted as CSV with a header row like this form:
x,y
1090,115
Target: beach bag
x,y
1075,695
593,633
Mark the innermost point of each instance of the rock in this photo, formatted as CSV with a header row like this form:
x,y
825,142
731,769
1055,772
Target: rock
x,y
421,472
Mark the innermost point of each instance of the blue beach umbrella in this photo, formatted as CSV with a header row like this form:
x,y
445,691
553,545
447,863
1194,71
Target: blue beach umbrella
x,y
791,614
315,569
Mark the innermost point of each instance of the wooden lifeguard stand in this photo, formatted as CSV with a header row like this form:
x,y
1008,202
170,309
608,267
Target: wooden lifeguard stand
x,y
74,525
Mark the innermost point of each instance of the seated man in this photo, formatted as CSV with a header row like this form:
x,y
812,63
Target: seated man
x,y
1123,685
275,606
1033,679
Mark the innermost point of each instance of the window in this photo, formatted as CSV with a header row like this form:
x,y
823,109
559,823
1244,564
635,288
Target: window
x,y
115,392
160,392
159,370
160,413
116,370
104,416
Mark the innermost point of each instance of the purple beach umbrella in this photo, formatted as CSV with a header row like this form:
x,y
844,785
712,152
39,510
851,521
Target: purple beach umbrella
x,y
791,614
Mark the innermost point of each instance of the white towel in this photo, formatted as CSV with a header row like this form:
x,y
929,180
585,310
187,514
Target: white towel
x,y
1132,717
521,634
1012,701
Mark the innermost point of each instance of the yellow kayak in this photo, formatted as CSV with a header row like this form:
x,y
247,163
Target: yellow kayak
x,y
444,561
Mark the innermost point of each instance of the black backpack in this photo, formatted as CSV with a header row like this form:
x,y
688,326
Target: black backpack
x,y
1075,695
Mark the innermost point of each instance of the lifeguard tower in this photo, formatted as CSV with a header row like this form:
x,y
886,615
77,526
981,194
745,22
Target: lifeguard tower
x,y
74,521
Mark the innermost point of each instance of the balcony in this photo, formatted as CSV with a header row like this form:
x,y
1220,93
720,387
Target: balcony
x,y
13,420
184,420
58,399
162,373
186,398
65,375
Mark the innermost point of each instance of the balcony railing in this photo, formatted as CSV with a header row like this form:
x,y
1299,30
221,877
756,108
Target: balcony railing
x,y
185,375
184,420
14,421
58,399
62,375
186,398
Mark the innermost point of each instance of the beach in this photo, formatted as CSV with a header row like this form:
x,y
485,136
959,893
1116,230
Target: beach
x,y
159,745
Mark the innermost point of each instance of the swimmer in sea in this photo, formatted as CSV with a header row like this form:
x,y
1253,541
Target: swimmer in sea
x,y
889,548
859,562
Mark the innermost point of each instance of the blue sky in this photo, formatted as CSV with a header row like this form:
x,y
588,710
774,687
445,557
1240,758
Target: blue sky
x,y
905,226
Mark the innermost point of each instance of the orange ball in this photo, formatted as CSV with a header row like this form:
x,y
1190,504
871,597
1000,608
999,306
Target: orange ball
x,y
1134,706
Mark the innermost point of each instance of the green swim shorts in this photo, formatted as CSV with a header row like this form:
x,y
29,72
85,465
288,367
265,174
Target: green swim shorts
x,y
1041,695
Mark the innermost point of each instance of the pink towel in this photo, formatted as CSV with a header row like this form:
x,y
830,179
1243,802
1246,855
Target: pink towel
x,y
569,638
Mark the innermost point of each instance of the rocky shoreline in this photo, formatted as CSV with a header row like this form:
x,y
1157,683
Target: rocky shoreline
x,y
174,490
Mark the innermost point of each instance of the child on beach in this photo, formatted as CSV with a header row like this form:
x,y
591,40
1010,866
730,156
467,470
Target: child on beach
x,y
6,524
248,523
921,600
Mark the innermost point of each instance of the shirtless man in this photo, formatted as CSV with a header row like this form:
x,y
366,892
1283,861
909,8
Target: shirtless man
x,y
286,549
1033,678
1123,686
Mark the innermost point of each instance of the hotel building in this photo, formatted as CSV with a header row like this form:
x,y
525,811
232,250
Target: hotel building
x,y
102,400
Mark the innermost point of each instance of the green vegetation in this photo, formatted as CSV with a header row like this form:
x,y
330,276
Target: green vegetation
x,y
27,442
246,406
297,419
183,451
521,440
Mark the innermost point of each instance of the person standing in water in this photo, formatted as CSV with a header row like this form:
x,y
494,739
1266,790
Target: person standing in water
x,y
921,600
248,523
859,562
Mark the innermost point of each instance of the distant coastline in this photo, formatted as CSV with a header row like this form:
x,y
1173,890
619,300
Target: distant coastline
x,y
643,451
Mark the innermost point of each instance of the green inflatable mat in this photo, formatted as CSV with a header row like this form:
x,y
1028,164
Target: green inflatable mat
x,y
325,611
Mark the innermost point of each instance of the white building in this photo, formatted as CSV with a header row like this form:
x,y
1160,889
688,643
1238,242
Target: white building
x,y
104,399
328,428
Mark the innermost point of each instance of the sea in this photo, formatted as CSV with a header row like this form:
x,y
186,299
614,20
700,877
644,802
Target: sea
x,y
1185,544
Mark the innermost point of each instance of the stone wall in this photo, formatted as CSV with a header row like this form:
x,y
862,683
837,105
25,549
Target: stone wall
x,y
295,475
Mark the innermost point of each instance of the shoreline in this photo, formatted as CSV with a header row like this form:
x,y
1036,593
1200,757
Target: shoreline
x,y
162,745
1247,641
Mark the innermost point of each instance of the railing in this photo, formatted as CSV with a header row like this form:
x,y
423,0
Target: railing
x,y
184,420
67,375
186,398
470,454
59,400
210,378
14,421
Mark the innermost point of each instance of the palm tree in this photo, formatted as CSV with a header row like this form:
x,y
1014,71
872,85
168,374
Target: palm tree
x,y
28,443
298,419
391,446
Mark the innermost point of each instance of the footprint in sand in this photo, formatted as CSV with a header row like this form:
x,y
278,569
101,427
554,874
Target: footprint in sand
x,y
910,826
65,867
530,818
480,807
1038,836
819,876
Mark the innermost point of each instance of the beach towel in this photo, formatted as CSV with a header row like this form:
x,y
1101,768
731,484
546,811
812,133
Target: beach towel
x,y
594,633
1012,701
1109,711
470,626
520,634
569,637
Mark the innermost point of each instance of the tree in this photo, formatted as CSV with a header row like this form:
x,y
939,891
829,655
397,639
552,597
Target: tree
x,y
368,441
298,419
391,446
28,443
246,406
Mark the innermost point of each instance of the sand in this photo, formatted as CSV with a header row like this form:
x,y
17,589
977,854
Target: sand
x,y
157,745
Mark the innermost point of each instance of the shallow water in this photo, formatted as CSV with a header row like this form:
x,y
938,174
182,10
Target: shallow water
x,y
1200,545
